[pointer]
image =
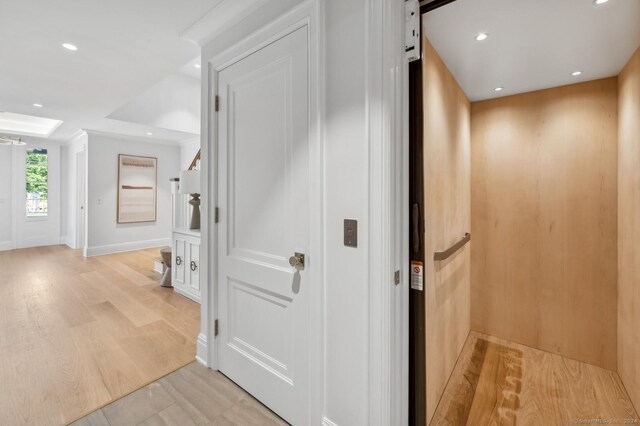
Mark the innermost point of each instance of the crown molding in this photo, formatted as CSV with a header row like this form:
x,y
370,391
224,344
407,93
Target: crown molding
x,y
131,138
222,16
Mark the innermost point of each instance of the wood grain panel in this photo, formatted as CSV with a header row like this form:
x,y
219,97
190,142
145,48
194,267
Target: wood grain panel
x,y
544,220
497,382
629,228
447,218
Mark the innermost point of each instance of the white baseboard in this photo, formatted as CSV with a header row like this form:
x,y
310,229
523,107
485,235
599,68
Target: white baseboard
x,y
201,350
186,294
7,245
327,422
67,242
123,247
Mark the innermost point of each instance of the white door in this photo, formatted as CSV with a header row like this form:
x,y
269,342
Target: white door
x,y
263,197
80,199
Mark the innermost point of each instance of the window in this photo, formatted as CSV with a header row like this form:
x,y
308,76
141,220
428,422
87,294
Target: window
x,y
37,182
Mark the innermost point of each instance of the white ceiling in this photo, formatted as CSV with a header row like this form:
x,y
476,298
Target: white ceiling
x,y
173,103
532,44
124,48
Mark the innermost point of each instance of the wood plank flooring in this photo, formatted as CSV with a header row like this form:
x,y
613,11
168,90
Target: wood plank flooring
x,y
76,333
192,395
497,382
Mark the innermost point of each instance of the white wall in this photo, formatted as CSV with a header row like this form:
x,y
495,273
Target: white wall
x,y
346,269
354,363
105,235
69,166
188,151
5,198
173,104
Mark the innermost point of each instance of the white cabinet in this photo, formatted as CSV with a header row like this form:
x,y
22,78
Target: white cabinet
x,y
186,263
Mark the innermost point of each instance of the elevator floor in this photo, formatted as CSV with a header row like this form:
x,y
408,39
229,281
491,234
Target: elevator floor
x,y
497,382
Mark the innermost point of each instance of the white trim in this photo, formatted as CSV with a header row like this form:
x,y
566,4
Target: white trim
x,y
7,245
388,191
67,242
73,138
222,16
133,138
186,294
201,349
124,247
308,14
327,422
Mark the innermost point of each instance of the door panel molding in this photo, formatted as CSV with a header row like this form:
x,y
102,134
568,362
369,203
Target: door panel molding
x,y
306,16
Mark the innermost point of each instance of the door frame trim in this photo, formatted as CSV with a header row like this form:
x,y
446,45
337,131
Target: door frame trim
x,y
306,15
387,128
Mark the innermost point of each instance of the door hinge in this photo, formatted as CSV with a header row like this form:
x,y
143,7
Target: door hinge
x,y
215,328
217,102
396,277
216,215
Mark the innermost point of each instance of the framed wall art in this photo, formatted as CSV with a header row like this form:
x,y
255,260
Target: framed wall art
x,y
137,189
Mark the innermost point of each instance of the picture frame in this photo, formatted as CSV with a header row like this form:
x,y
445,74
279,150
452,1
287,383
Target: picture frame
x,y
137,189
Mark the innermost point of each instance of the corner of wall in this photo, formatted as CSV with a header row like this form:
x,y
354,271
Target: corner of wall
x,y
628,229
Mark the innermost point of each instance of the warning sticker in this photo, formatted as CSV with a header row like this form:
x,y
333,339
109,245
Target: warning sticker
x,y
417,275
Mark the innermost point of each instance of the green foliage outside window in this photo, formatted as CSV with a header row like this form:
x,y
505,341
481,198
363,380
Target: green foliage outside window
x,y
37,173
37,182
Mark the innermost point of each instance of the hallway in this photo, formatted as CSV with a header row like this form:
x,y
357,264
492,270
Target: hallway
x,y
76,333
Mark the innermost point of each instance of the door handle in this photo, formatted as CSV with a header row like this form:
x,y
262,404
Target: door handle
x,y
297,261
178,260
194,265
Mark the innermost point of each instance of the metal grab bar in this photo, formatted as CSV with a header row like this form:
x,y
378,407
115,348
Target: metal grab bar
x,y
443,255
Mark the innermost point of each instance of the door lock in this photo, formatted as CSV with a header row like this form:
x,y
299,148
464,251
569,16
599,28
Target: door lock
x,y
297,261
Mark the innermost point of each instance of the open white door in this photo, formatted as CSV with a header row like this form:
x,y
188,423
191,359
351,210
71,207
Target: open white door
x,y
264,204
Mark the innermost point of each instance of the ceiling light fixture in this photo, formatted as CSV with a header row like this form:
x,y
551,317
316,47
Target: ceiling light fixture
x,y
10,140
149,134
576,73
498,89
69,46
482,36
597,2
197,65
37,105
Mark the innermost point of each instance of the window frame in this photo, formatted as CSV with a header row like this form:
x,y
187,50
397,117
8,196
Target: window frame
x,y
27,216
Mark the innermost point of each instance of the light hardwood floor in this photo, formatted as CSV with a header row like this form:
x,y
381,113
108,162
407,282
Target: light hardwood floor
x,y
497,382
192,395
76,333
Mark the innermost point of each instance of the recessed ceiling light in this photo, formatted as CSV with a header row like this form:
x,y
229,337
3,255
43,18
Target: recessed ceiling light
x,y
69,46
498,89
37,105
482,36
596,2
149,134
576,73
197,65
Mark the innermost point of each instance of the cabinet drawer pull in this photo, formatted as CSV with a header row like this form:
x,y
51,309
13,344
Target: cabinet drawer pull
x,y
178,260
194,265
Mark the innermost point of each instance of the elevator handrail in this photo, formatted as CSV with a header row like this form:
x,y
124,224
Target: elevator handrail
x,y
444,255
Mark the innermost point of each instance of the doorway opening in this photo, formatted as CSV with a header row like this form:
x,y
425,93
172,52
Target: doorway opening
x,y
520,211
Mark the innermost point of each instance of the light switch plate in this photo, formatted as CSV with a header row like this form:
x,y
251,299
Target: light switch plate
x,y
351,233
